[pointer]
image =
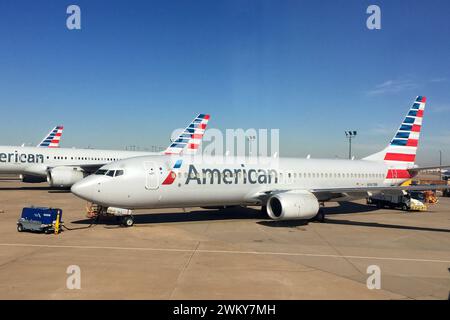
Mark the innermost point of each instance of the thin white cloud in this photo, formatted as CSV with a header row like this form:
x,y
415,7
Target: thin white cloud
x,y
381,130
438,80
393,86
440,109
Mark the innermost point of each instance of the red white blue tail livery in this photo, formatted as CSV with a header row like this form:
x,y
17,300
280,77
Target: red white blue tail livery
x,y
189,140
53,138
400,154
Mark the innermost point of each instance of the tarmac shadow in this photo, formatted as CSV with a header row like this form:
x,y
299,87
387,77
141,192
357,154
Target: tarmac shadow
x,y
27,188
347,207
238,213
384,225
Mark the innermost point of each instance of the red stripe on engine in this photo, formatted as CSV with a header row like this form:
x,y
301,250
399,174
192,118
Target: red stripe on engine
x,y
398,174
400,157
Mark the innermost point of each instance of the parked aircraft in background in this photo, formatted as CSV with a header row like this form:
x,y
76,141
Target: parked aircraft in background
x,y
288,188
62,167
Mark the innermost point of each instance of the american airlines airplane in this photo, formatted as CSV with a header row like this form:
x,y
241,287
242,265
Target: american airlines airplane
x,y
62,167
288,188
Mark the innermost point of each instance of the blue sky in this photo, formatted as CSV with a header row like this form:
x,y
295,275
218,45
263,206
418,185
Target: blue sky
x,y
138,69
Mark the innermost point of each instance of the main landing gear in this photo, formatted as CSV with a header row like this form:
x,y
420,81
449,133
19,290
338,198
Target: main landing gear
x,y
320,217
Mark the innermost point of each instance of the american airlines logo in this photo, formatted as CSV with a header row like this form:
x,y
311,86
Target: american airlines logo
x,y
232,176
21,157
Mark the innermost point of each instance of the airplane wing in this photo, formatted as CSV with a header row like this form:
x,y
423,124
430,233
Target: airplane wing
x,y
53,138
190,138
330,194
88,168
418,169
327,194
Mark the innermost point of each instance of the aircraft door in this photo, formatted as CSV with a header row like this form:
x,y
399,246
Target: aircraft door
x,y
151,175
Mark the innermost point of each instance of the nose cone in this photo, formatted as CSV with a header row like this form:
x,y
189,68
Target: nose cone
x,y
86,188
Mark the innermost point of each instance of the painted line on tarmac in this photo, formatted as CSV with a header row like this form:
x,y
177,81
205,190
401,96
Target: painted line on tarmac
x,y
294,254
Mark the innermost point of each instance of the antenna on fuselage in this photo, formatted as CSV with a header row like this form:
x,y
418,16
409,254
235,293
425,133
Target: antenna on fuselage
x,y
308,156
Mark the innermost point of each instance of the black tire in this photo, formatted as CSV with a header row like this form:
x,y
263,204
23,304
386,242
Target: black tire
x,y
20,227
320,216
128,221
264,212
404,207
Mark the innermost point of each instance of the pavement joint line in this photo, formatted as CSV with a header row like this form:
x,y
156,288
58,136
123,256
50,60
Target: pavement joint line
x,y
299,254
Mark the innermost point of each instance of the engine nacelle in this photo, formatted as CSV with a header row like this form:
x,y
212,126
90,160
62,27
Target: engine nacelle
x,y
64,176
32,179
293,205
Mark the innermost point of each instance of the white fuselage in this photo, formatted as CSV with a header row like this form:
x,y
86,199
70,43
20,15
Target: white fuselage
x,y
144,181
35,161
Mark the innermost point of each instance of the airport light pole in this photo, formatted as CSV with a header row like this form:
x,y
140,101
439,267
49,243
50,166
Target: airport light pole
x,y
350,135
250,142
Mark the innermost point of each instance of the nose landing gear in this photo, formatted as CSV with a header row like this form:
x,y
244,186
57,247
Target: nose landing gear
x,y
123,216
127,221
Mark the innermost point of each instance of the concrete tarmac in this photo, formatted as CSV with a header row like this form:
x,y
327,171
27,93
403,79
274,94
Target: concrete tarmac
x,y
223,254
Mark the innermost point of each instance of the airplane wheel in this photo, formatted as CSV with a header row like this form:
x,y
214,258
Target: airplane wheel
x,y
320,217
128,221
264,211
20,227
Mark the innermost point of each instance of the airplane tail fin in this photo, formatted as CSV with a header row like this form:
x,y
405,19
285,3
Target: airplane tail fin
x,y
190,138
400,154
53,138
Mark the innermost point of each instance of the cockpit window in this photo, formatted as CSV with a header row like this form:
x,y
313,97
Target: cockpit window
x,y
110,173
119,173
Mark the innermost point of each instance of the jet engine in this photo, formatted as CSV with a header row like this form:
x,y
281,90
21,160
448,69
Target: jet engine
x,y
32,179
64,176
293,205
